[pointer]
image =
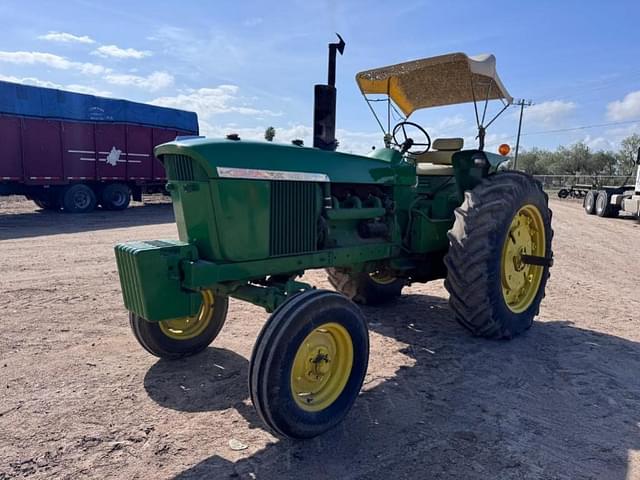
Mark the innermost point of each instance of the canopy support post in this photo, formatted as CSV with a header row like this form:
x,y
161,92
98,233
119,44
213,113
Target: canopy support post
x,y
388,113
481,133
375,115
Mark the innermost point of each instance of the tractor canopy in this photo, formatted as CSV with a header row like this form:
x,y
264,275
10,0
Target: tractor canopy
x,y
437,81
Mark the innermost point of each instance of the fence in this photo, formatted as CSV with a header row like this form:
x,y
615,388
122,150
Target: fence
x,y
555,182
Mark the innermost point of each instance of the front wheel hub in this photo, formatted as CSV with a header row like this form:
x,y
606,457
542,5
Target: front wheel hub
x,y
321,367
190,327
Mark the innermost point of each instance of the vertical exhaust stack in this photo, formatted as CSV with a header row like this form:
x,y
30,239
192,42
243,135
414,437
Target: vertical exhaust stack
x,y
324,111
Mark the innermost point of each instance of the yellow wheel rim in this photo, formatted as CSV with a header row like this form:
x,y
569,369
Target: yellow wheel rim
x,y
521,281
321,367
187,328
382,278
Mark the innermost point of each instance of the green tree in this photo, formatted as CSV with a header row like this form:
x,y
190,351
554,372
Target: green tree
x,y
574,159
604,163
628,153
269,134
532,161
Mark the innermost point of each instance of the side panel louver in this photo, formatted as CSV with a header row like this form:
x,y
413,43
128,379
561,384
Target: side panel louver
x,y
293,218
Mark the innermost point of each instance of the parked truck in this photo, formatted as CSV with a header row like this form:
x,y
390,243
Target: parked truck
x,y
72,151
610,201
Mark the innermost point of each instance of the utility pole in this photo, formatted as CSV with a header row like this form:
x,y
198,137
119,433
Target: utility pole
x,y
523,103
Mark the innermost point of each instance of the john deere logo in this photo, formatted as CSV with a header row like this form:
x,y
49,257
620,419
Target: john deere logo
x,y
114,156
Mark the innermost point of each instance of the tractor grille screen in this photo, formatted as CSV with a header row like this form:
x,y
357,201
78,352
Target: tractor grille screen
x,y
179,168
293,218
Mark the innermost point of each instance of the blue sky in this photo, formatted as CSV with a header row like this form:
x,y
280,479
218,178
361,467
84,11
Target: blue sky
x,y
245,65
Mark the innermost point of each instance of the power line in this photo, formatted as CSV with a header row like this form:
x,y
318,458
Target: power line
x,y
583,127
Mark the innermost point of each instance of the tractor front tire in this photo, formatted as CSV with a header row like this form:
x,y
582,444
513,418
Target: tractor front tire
x,y
590,202
182,337
308,364
494,293
366,288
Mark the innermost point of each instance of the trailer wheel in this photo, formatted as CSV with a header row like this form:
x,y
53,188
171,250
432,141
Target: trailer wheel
x,y
366,288
182,337
603,205
494,290
590,202
78,198
308,364
563,193
115,196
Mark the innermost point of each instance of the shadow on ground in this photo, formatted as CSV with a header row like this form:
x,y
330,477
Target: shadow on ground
x,y
42,222
558,402
214,380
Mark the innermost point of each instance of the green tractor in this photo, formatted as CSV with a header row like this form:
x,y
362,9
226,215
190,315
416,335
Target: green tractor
x,y
253,216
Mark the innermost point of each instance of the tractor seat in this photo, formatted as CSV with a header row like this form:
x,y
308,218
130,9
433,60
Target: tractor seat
x,y
438,160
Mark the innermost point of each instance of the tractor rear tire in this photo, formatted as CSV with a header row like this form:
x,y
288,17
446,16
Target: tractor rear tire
x,y
366,288
493,293
309,363
590,202
115,196
603,205
174,339
78,198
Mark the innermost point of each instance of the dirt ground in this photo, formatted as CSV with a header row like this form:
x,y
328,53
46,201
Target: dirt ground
x,y
79,398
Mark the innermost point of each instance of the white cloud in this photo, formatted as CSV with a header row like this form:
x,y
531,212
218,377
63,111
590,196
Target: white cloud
x,y
30,81
625,109
548,113
350,141
153,82
116,52
453,122
51,60
253,21
598,143
209,102
623,131
88,90
64,37
46,83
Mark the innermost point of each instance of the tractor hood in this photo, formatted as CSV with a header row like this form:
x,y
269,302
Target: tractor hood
x,y
223,158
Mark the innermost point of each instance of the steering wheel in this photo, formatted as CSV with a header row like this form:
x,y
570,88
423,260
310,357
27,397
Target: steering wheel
x,y
408,143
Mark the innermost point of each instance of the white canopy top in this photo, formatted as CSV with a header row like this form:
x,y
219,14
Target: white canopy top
x,y
436,81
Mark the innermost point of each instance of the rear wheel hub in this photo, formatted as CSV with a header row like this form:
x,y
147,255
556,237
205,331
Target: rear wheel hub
x,y
525,236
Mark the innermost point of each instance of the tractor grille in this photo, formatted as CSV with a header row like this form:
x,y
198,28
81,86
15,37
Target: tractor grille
x,y
179,168
293,218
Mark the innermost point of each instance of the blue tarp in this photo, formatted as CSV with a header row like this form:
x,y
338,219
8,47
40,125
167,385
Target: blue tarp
x,y
27,100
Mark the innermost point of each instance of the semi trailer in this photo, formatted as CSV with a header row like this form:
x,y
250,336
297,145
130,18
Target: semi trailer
x,y
610,201
72,151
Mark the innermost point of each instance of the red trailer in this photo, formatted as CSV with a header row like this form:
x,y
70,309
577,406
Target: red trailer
x,y
72,151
